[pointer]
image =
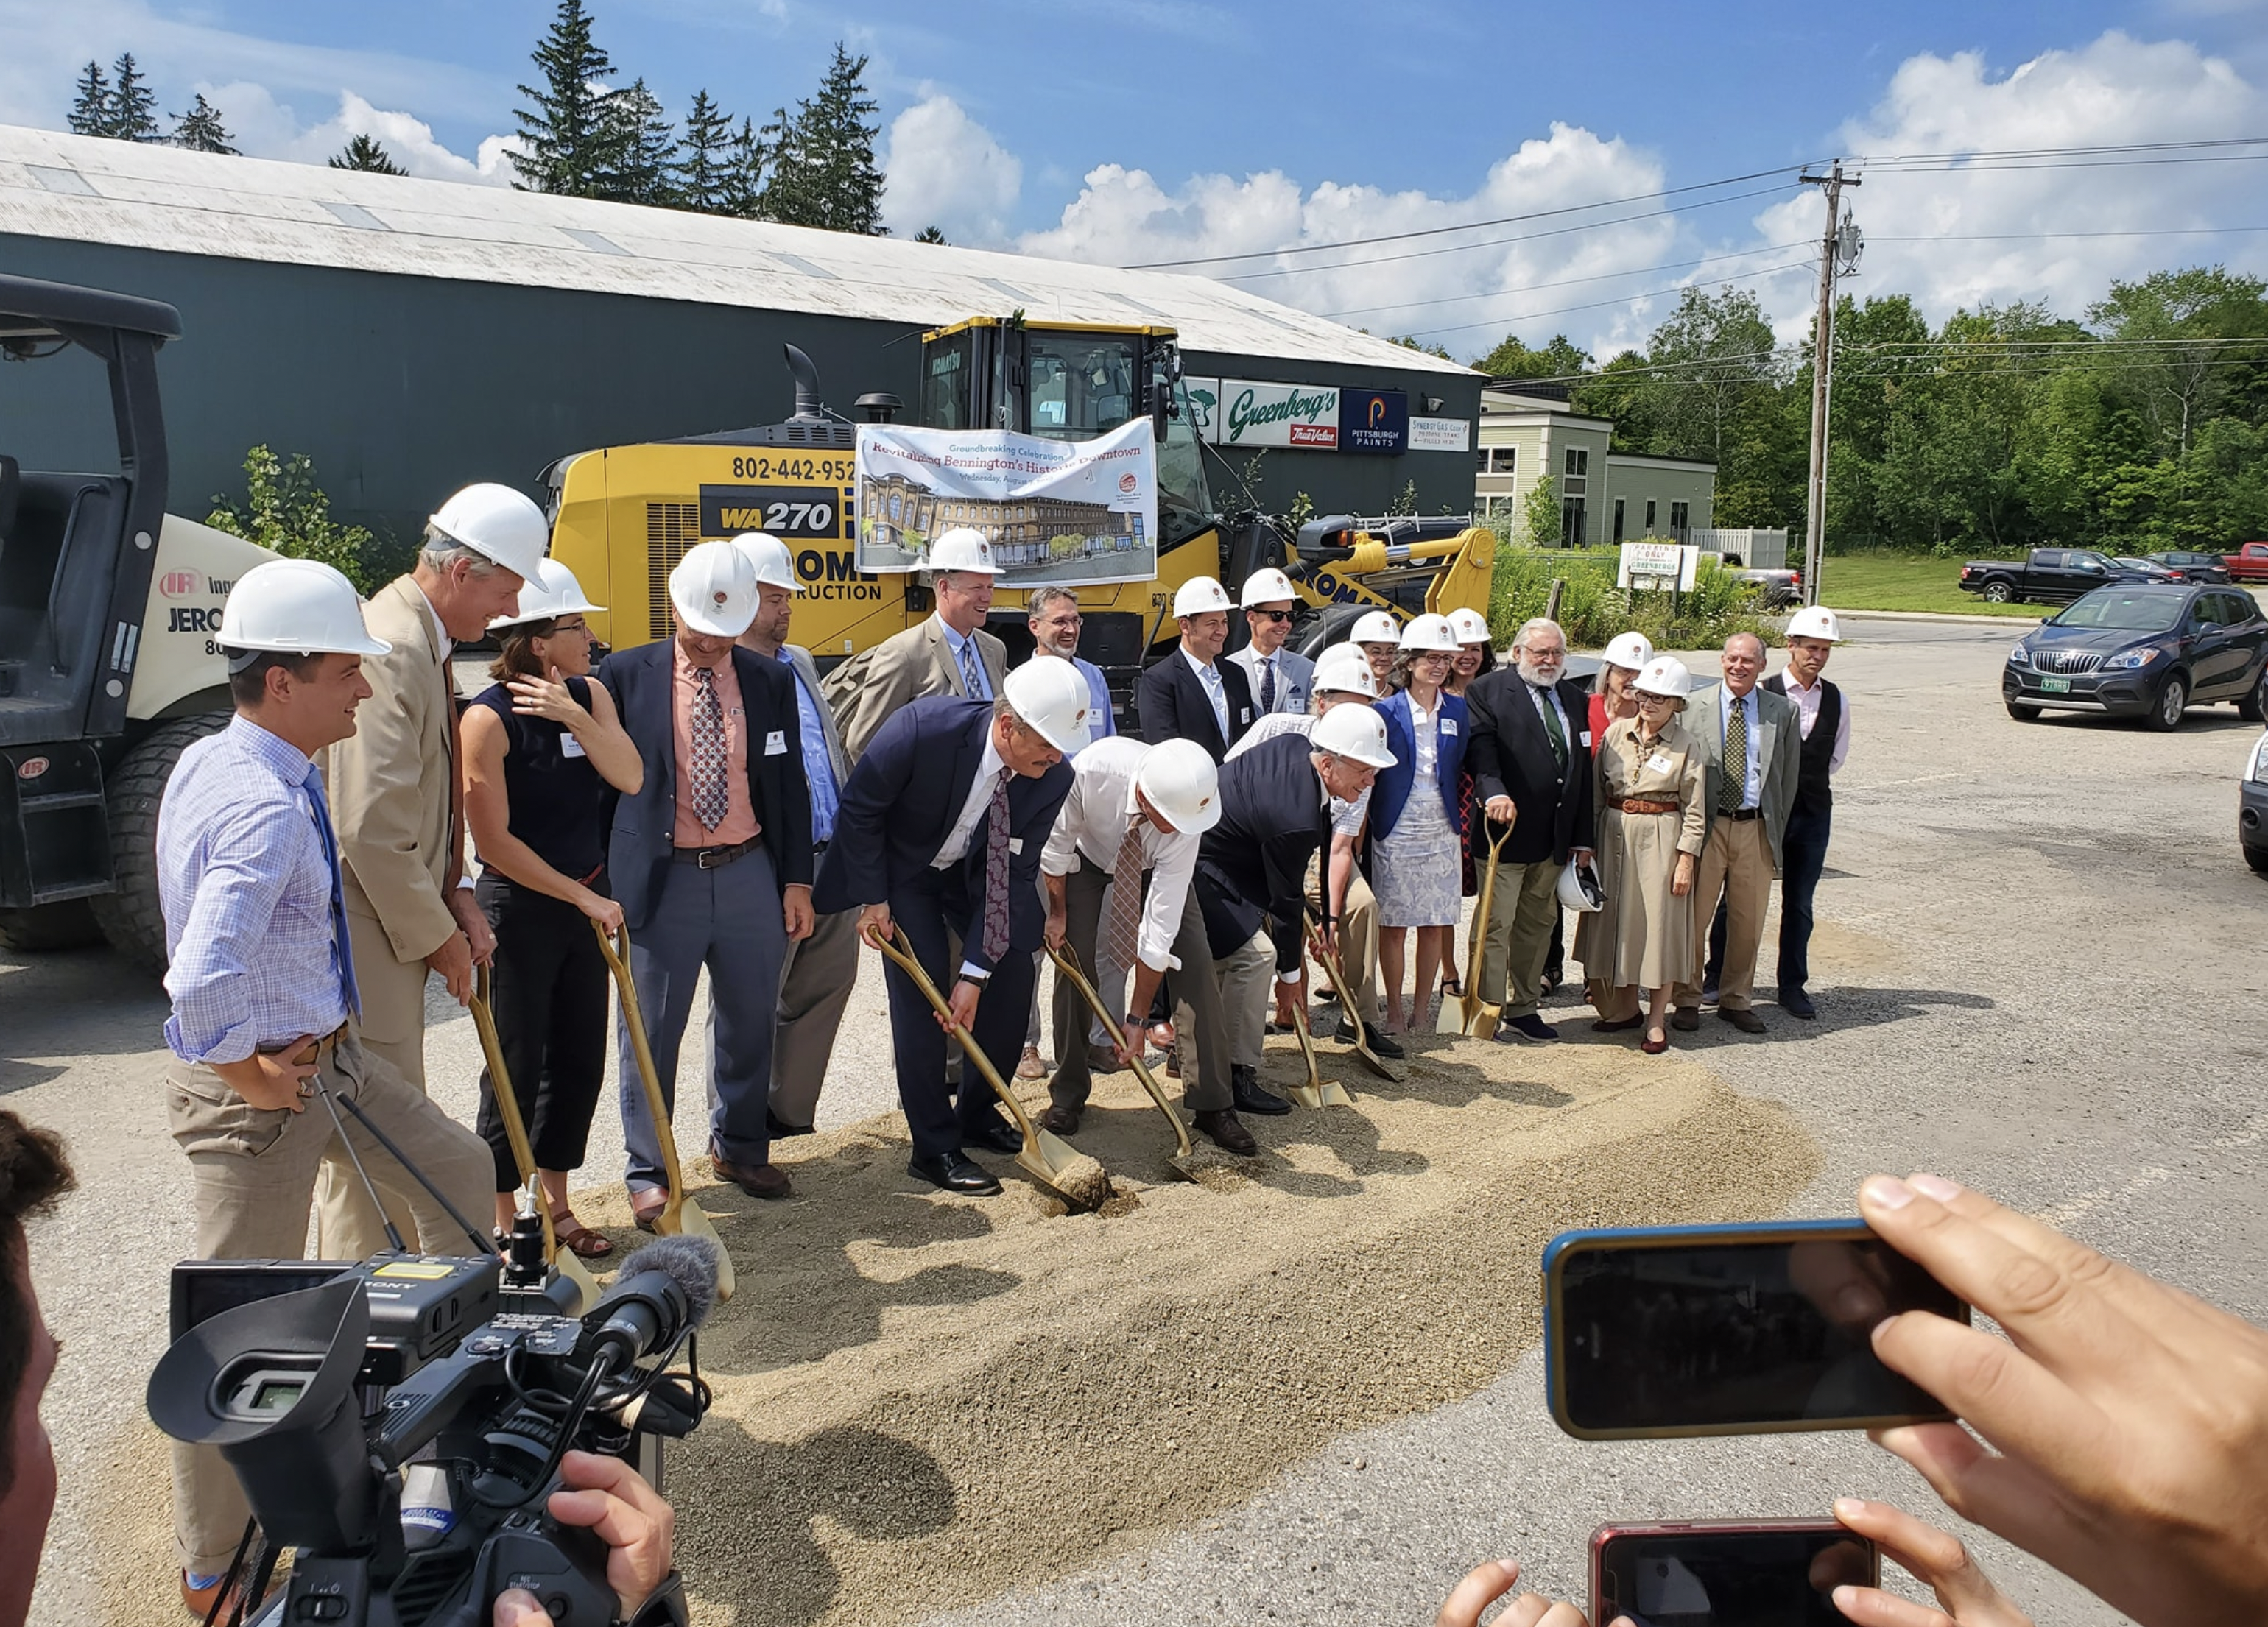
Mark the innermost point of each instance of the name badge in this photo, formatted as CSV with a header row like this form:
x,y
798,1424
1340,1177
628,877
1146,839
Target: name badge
x,y
1659,764
1586,738
1244,715
569,747
1015,844
775,743
1450,727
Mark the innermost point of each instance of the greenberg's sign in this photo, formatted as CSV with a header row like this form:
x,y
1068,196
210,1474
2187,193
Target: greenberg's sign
x,y
1253,414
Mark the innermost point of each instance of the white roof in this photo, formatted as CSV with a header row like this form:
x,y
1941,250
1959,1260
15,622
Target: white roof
x,y
86,188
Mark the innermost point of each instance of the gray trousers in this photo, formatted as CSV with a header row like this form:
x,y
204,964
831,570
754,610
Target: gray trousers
x,y
1522,912
727,919
813,991
1198,1014
1248,992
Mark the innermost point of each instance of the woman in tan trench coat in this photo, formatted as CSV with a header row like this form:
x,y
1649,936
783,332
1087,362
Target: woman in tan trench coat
x,y
1652,825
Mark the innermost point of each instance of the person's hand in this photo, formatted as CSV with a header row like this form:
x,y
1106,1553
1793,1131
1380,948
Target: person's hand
x,y
1503,810
1485,1584
2126,1422
479,935
795,911
1058,928
272,1079
1680,880
1936,1559
604,911
516,1607
611,1499
548,698
966,993
453,960
1133,1039
874,924
1291,999
1582,855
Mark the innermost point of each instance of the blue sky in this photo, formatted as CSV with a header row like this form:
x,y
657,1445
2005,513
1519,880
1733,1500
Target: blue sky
x,y
1155,129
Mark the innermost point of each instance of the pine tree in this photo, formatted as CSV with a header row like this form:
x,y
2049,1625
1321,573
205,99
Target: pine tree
x,y
90,114
929,234
363,152
704,166
200,129
823,168
567,134
133,105
744,173
642,149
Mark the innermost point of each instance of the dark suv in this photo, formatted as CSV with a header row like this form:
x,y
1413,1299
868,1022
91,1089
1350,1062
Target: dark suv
x,y
2143,650
2188,565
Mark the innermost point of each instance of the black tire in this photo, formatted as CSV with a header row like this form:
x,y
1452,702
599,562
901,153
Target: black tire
x,y
1999,592
2253,706
2258,857
2022,713
129,915
1311,636
2167,706
68,925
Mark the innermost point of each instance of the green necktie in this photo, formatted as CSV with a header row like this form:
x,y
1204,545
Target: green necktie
x,y
1553,727
1735,788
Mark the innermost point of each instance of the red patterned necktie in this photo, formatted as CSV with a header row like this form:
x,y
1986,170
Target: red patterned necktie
x,y
710,797
1118,932
996,870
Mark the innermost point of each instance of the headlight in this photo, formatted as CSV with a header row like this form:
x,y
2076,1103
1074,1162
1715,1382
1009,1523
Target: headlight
x,y
2256,767
2127,660
2020,657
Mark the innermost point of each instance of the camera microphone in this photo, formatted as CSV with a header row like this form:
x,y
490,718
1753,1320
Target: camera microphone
x,y
670,1291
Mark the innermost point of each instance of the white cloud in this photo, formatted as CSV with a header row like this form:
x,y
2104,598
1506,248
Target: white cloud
x,y
946,170
265,128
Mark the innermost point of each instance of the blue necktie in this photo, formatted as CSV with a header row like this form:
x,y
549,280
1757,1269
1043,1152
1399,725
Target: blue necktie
x,y
341,945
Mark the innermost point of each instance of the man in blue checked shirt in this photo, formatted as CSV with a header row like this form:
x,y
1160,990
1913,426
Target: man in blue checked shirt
x,y
262,981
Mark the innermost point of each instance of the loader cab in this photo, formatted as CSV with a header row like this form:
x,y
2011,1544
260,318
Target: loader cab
x,y
1071,382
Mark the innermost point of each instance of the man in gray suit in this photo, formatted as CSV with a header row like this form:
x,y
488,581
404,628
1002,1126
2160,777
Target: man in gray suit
x,y
1283,681
1750,741
950,653
815,982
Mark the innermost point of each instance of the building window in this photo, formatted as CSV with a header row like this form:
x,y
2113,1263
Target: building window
x,y
1571,533
1677,515
1618,520
1579,461
1649,517
1503,461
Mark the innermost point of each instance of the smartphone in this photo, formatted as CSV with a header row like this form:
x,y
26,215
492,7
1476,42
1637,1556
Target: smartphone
x,y
1727,1573
1737,1330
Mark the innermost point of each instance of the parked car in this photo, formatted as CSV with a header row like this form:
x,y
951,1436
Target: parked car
x,y
2143,650
1776,587
2252,807
2249,564
2148,570
2190,566
2051,576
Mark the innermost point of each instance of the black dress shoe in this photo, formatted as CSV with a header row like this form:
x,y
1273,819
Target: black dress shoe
x,y
1618,1025
1685,1019
1531,1028
756,1180
992,1131
1795,1002
1227,1133
955,1172
1382,1043
1746,1020
779,1128
1058,1120
1244,1091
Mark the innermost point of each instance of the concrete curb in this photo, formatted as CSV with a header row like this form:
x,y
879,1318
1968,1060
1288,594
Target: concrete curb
x,y
1944,619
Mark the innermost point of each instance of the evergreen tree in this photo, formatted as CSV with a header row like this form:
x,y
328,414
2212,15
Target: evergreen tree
x,y
200,129
133,105
703,176
929,234
363,152
567,135
823,169
90,113
641,148
744,173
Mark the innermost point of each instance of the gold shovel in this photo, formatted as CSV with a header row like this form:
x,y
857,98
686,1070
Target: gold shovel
x,y
678,1217
566,1261
1077,1179
1330,962
1469,1005
1317,1091
1065,967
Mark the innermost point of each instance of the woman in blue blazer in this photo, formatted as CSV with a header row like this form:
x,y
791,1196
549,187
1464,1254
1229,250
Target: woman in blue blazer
x,y
1415,825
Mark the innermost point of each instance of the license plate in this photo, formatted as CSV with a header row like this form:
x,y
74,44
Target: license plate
x,y
2055,686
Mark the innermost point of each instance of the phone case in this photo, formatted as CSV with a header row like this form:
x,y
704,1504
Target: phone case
x,y
1603,1612
1555,1257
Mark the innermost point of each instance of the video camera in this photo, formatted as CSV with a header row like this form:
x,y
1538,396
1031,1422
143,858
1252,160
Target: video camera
x,y
319,1383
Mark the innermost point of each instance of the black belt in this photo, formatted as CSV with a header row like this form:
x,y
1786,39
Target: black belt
x,y
714,858
1738,814
818,848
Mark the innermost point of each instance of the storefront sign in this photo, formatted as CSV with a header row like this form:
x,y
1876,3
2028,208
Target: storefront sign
x,y
1278,415
1441,434
1205,406
1373,421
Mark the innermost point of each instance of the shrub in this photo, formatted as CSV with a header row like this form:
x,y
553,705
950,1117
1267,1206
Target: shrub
x,y
1591,609
286,510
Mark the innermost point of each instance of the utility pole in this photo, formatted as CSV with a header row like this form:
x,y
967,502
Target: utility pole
x,y
1841,243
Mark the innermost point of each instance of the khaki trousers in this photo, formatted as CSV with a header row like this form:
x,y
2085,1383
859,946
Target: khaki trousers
x,y
1736,865
1248,992
813,992
391,1026
1521,913
1358,946
254,1170
1201,1038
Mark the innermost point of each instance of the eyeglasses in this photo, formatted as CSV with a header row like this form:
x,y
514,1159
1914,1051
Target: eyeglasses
x,y
1273,616
570,627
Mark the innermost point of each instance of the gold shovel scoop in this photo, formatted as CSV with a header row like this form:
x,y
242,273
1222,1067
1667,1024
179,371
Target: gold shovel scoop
x,y
566,1261
1330,962
1065,967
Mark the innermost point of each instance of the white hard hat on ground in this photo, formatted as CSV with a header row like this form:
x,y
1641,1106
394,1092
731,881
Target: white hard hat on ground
x,y
1580,889
1053,699
1665,675
294,606
1469,625
551,591
1815,622
1355,731
1198,595
1375,627
1630,649
1429,633
1267,587
714,590
1181,782
769,555
961,549
498,523
1344,669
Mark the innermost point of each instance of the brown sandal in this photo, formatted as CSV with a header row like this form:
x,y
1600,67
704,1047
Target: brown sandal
x,y
577,1238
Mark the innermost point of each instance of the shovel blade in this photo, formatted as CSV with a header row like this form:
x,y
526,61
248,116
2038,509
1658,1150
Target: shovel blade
x,y
691,1220
1309,1096
569,1266
1335,1094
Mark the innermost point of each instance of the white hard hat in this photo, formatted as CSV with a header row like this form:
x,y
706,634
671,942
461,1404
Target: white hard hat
x,y
1375,627
295,606
1630,649
551,591
1580,889
1430,633
714,590
961,549
1665,675
1052,698
1355,732
769,555
1198,595
1182,782
1266,588
1344,669
497,522
1815,622
1469,625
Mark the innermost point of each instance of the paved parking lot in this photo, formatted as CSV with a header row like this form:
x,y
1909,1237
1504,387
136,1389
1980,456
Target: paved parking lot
x,y
2038,970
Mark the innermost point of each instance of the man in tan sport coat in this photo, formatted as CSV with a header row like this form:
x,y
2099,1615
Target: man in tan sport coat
x,y
950,653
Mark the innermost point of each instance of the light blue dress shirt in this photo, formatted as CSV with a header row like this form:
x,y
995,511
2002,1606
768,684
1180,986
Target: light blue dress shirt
x,y
973,660
1098,689
818,767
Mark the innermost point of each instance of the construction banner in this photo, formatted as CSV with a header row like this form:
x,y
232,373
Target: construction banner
x,y
1053,511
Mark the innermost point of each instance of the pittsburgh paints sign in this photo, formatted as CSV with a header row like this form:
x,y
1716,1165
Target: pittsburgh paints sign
x,y
1254,414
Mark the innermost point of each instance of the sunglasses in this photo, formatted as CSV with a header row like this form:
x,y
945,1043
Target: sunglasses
x,y
1273,616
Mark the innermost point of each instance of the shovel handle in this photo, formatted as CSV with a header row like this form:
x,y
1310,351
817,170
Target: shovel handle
x,y
1066,966
1477,939
616,947
515,1128
900,953
1307,1046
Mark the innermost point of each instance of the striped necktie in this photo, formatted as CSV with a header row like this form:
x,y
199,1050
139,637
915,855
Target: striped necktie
x,y
1118,932
972,671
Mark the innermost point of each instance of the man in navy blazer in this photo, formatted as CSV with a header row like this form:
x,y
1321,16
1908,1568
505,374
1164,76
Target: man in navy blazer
x,y
1193,695
939,834
711,862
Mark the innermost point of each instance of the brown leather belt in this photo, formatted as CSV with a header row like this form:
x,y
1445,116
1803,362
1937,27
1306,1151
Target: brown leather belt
x,y
716,857
1742,815
315,1047
1633,805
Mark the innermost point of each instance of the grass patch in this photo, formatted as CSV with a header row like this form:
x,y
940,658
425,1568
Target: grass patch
x,y
1889,581
1591,609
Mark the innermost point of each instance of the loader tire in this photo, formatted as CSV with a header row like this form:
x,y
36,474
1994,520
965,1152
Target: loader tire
x,y
67,925
129,914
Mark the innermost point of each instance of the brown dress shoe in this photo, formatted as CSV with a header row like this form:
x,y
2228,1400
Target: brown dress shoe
x,y
756,1180
1685,1019
1060,1120
1227,1132
1746,1020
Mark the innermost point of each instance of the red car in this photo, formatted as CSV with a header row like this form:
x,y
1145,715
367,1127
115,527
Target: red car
x,y
2249,564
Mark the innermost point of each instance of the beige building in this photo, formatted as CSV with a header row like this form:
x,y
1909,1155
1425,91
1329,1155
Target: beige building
x,y
1604,496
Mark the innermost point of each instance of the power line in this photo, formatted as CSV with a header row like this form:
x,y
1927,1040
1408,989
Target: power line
x,y
2046,152
1595,304
2027,237
1602,276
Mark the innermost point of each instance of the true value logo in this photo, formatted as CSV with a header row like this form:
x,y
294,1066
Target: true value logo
x,y
1280,415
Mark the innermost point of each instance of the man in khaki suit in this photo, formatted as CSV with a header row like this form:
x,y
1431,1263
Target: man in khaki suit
x,y
393,793
950,653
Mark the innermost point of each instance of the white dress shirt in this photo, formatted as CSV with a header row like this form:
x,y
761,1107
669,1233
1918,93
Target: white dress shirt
x,y
1752,782
1216,691
1807,710
1092,827
980,798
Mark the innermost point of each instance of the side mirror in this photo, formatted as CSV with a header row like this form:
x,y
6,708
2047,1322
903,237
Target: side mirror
x,y
1161,407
